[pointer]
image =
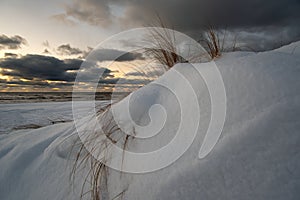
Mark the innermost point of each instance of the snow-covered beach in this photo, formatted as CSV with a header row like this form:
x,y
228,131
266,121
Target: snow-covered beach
x,y
26,115
256,157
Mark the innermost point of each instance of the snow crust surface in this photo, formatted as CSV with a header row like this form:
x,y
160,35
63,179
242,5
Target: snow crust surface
x,y
257,156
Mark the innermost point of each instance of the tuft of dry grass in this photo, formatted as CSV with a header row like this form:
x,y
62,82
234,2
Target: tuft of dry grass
x,y
164,45
95,181
213,43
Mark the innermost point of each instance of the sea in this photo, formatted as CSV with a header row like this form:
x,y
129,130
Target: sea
x,y
32,97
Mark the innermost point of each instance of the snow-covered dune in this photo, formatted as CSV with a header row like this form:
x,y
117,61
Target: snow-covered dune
x,y
293,48
256,157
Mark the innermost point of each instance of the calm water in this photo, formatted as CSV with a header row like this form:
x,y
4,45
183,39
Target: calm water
x,y
31,97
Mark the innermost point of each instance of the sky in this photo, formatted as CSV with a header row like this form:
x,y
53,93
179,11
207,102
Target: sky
x,y
43,43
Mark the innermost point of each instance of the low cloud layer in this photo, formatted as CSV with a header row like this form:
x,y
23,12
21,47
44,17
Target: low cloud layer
x,y
40,67
114,55
14,42
46,71
10,55
98,54
33,66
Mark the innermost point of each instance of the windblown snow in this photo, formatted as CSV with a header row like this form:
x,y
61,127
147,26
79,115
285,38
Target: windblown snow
x,y
256,157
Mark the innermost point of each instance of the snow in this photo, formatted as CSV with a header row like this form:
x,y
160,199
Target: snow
x,y
293,48
34,165
24,115
40,114
256,157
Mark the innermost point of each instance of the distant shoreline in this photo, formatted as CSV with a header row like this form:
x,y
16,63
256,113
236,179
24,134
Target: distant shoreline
x,y
36,97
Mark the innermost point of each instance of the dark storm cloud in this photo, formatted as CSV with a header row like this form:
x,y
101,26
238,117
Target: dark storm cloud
x,y
265,38
10,55
114,55
37,69
40,67
91,73
191,16
13,42
66,49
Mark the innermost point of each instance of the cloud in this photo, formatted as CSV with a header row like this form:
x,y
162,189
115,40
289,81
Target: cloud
x,y
42,70
10,55
17,83
123,81
113,55
66,49
100,54
262,38
191,16
91,73
150,73
14,42
91,11
40,67
135,74
25,83
63,18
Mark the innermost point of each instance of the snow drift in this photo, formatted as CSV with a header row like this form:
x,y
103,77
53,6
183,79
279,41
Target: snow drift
x,y
257,156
